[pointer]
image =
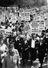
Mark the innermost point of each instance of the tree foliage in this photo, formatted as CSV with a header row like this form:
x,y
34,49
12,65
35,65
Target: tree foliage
x,y
22,2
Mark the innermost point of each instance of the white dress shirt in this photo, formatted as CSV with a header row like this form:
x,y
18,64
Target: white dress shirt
x,y
33,43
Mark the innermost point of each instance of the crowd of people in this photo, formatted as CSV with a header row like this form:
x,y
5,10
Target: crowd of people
x,y
17,39
17,47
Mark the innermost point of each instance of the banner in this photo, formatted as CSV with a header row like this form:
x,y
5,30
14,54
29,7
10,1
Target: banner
x,y
25,16
22,15
35,31
26,28
41,25
35,25
13,18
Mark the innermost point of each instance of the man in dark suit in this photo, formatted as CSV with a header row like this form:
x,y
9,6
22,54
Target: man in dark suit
x,y
0,61
22,48
33,50
42,50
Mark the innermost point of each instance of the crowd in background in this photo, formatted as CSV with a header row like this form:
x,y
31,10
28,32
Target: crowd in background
x,y
19,38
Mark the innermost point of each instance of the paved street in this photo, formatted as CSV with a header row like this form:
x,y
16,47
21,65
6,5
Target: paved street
x,y
10,64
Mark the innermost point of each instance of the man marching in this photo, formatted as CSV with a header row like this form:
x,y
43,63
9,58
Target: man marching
x,y
3,52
